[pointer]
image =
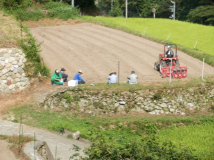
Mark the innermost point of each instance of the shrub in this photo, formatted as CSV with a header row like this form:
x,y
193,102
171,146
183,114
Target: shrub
x,y
64,12
34,64
25,15
148,148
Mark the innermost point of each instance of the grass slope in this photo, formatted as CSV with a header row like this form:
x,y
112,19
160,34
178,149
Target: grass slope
x,y
198,137
182,33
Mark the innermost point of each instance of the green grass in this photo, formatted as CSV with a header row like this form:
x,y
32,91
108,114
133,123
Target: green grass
x,y
182,33
199,137
199,133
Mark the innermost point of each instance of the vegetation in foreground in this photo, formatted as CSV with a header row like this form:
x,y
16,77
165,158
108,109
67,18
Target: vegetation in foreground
x,y
199,137
113,134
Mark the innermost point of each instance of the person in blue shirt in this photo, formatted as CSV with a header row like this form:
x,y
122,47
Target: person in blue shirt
x,y
78,77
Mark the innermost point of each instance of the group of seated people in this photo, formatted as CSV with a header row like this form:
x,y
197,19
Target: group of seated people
x,y
131,79
59,77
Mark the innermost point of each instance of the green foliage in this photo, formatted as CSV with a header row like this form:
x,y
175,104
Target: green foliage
x,y
15,3
34,64
148,148
157,96
25,14
202,14
116,10
62,11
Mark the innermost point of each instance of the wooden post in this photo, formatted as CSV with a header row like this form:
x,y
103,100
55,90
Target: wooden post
x,y
118,71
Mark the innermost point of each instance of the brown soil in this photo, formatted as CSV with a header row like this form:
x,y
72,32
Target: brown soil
x,y
23,97
96,50
5,152
51,22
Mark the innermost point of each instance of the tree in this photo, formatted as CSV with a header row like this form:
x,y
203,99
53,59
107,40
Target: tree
x,y
116,10
202,14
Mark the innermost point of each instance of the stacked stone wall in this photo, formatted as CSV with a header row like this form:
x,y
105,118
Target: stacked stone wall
x,y
12,75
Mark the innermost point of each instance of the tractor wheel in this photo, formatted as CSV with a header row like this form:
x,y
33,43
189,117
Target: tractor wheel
x,y
156,66
177,64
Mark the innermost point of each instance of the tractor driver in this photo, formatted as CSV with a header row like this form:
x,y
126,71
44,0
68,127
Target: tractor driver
x,y
169,53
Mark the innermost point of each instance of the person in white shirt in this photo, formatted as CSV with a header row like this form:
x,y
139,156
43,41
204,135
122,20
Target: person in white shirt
x,y
113,78
132,79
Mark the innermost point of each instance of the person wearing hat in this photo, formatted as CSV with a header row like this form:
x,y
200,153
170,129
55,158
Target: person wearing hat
x,y
64,76
109,77
113,78
170,52
56,78
132,79
78,77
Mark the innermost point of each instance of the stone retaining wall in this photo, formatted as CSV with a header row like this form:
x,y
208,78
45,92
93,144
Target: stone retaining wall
x,y
12,75
165,101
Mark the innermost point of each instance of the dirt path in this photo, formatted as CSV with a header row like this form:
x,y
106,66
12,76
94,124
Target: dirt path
x,y
5,152
96,50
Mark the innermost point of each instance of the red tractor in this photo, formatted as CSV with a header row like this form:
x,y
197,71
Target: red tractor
x,y
168,63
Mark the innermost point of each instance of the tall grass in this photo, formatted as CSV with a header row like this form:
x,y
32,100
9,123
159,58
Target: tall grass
x,y
182,33
199,137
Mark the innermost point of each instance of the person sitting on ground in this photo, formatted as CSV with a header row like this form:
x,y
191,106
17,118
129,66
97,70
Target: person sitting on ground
x,y
64,76
78,77
113,78
56,78
169,53
109,77
132,79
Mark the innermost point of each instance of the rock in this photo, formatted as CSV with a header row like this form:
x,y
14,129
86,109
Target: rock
x,y
120,99
15,62
13,76
8,65
182,113
18,75
18,79
17,58
12,55
27,81
9,82
148,109
138,104
116,104
4,77
15,71
5,70
7,55
1,67
83,103
121,108
22,79
15,66
11,86
171,110
2,63
1,55
153,112
163,105
20,70
11,59
63,102
158,108
20,64
122,103
76,135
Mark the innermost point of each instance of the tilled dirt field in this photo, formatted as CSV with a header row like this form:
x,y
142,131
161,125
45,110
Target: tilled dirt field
x,y
96,50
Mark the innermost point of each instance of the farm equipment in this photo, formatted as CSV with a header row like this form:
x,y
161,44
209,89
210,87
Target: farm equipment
x,y
169,65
